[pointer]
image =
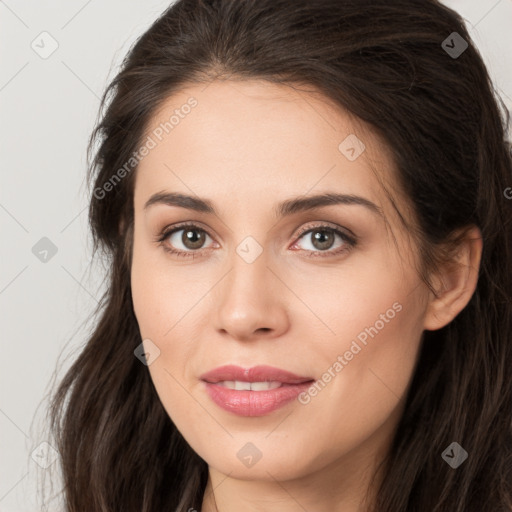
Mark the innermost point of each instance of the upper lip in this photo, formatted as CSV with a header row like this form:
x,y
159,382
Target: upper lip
x,y
255,374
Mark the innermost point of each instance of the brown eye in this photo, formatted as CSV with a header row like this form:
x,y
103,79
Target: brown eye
x,y
323,238
191,239
184,239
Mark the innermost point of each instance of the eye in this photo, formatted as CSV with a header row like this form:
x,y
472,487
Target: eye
x,y
192,238
322,238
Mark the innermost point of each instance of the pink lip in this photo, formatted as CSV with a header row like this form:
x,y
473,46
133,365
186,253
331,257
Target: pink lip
x,y
256,374
253,403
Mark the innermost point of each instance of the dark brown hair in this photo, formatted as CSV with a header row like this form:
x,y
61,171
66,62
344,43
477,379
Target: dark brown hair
x,y
384,62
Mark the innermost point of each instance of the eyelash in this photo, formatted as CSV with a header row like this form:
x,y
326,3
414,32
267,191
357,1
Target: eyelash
x,y
350,241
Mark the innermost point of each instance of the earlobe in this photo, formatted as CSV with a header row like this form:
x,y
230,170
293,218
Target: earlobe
x,y
455,282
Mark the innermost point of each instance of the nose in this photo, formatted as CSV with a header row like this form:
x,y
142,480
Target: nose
x,y
251,301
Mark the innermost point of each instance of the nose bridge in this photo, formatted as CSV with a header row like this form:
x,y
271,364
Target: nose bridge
x,y
248,258
249,268
246,300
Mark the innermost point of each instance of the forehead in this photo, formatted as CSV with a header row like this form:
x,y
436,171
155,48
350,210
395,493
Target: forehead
x,y
238,141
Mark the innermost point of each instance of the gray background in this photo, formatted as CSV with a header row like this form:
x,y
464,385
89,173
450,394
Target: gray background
x,y
48,109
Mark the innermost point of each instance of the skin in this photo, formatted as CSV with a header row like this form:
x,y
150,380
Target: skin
x,y
247,146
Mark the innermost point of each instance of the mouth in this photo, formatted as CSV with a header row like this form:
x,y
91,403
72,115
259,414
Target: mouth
x,y
255,391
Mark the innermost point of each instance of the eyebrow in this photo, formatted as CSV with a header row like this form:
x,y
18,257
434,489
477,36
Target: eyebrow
x,y
285,208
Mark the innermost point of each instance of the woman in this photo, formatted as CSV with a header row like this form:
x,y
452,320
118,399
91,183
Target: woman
x,y
303,205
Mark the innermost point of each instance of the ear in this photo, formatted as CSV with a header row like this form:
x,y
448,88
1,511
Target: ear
x,y
455,282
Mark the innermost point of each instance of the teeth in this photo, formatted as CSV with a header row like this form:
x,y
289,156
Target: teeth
x,y
249,386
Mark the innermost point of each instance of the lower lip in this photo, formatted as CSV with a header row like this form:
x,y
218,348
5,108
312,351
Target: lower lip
x,y
254,403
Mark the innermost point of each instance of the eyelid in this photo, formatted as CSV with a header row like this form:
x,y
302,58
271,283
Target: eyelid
x,y
172,228
322,224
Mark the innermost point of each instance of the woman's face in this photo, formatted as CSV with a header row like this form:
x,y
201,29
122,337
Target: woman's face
x,y
263,284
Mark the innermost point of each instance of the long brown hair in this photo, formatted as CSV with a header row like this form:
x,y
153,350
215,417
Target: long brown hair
x,y
432,102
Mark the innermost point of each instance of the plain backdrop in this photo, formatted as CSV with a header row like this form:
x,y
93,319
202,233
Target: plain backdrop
x,y
49,105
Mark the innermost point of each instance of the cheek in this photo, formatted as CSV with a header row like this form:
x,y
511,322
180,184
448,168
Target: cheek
x,y
373,358
366,369
374,315
163,290
155,293
158,308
